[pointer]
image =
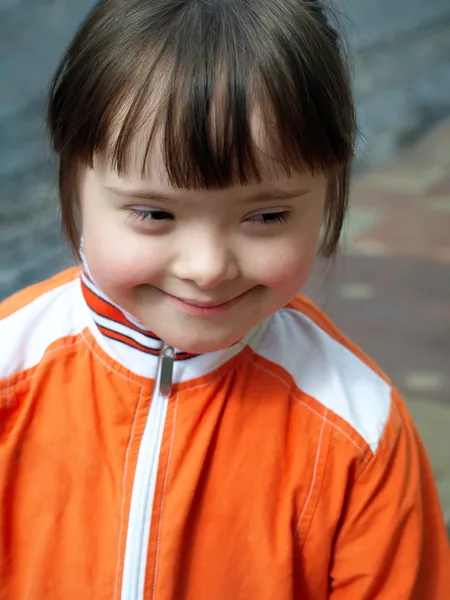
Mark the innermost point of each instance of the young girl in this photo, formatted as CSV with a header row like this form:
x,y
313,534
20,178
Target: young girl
x,y
176,423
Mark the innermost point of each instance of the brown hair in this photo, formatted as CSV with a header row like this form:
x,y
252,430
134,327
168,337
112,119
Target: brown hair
x,y
176,56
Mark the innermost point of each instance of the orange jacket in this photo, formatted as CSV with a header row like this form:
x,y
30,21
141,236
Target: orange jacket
x,y
285,467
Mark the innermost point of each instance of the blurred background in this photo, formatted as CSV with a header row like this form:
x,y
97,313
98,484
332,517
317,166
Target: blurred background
x,y
389,289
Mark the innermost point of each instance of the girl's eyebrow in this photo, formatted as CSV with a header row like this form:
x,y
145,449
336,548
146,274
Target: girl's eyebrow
x,y
263,196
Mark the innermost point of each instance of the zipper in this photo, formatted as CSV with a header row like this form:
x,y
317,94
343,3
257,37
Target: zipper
x,y
165,384
142,497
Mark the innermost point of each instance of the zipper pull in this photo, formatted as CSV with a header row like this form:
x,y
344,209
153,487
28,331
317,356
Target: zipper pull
x,y
165,382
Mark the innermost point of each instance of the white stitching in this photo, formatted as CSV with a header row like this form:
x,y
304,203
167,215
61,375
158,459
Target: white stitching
x,y
212,379
109,367
303,403
124,479
341,431
83,338
48,353
308,498
158,538
138,406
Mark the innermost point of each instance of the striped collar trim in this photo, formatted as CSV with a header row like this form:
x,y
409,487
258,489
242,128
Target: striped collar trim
x,y
119,326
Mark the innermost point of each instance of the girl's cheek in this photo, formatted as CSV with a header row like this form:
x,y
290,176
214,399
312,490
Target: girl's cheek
x,y
288,275
122,266
127,274
286,268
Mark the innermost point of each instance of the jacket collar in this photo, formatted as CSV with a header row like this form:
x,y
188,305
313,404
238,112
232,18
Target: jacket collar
x,y
137,348
118,325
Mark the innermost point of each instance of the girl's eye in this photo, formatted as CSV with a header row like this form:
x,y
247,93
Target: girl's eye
x,y
140,214
270,218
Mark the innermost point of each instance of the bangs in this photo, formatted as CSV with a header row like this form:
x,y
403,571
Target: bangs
x,y
223,96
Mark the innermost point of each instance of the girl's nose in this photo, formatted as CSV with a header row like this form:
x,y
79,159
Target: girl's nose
x,y
206,261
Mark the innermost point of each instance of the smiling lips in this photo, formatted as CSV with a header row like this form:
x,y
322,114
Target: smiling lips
x,y
203,309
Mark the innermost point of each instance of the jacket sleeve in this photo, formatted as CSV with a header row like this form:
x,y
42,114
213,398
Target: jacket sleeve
x,y
392,543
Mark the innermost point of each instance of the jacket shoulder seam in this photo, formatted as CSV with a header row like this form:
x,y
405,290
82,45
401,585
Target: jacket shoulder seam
x,y
298,396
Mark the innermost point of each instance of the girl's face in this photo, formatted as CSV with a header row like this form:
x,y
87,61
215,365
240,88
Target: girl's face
x,y
199,268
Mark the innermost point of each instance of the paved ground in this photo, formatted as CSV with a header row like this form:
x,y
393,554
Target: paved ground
x,y
390,289
402,71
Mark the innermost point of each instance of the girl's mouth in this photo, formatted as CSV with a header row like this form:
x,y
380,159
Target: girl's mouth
x,y
202,308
